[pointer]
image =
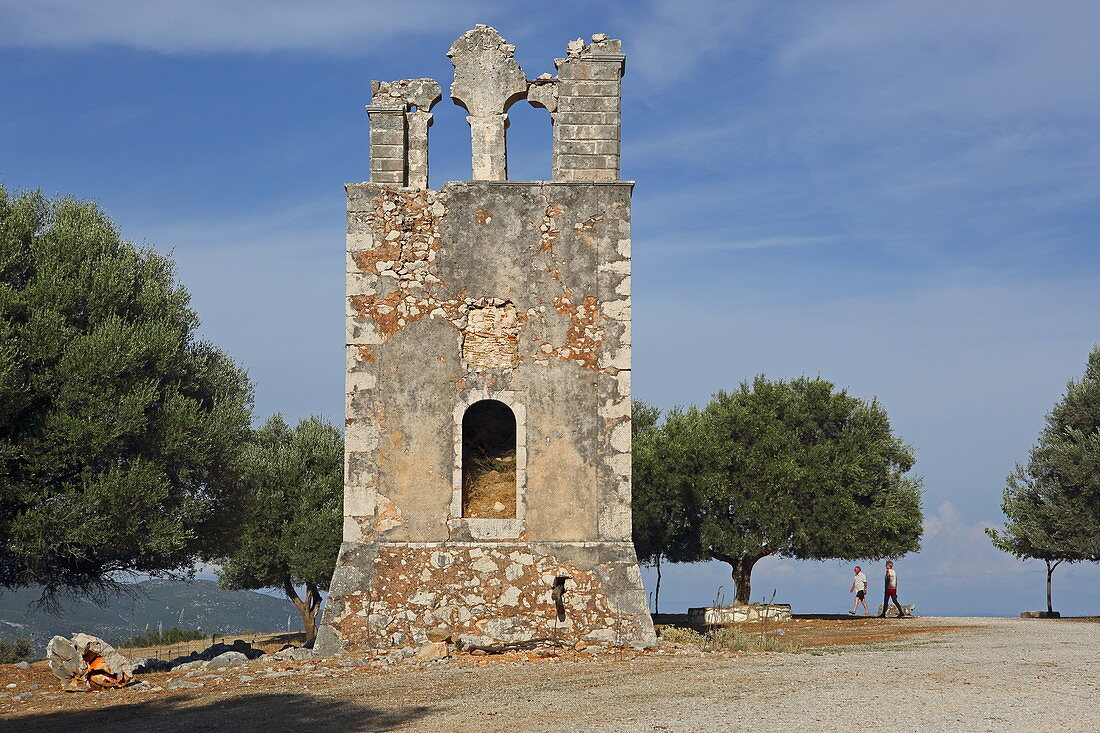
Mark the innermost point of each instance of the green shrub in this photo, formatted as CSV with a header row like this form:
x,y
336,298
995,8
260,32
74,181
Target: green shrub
x,y
18,650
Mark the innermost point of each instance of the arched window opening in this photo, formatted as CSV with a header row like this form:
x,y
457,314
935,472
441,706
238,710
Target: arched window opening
x,y
489,461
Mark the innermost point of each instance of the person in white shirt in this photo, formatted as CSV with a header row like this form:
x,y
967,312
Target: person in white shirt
x,y
859,587
891,591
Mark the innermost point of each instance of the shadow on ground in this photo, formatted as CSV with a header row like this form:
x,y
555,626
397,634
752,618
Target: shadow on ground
x,y
239,714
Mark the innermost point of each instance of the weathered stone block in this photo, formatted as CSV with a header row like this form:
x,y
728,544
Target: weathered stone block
x,y
388,136
390,121
567,105
387,164
610,70
589,161
592,175
587,132
396,152
394,177
570,88
588,118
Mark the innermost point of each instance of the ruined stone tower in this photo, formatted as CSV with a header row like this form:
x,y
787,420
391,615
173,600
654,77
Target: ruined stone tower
x,y
488,369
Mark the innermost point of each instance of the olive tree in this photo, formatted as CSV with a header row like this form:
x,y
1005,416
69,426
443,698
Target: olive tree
x,y
658,507
290,526
120,429
1053,503
790,468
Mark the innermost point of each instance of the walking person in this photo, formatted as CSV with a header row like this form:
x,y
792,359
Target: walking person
x,y
891,592
859,587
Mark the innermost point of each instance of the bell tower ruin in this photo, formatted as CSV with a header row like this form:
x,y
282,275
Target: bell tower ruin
x,y
487,485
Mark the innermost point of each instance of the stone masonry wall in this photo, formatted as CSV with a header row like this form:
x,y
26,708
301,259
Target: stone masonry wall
x,y
511,291
487,593
552,261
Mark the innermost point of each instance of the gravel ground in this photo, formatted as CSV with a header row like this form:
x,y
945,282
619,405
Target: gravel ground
x,y
1009,674
967,675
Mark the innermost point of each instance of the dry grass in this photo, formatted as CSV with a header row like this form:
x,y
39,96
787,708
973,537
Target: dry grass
x,y
806,634
732,639
489,487
737,639
677,635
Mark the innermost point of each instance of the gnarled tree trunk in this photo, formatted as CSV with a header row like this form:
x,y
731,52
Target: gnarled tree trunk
x,y
741,571
307,606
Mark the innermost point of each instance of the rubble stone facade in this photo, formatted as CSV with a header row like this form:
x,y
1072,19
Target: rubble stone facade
x,y
508,291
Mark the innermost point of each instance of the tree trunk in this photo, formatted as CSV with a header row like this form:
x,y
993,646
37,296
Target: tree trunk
x,y
657,590
307,606
742,572
742,579
1050,572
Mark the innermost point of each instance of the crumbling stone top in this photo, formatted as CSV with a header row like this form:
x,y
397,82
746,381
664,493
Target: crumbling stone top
x,y
488,79
419,93
542,91
602,45
583,99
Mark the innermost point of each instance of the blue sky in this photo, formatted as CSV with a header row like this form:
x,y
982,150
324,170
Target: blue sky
x,y
898,195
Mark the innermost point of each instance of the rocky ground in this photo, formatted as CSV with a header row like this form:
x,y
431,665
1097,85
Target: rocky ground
x,y
864,674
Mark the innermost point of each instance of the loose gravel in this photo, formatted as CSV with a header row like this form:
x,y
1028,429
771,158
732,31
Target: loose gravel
x,y
962,675
1004,675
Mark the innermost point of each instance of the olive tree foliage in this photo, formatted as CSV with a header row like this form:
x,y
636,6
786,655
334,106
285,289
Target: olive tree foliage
x,y
646,505
789,468
662,490
120,429
1053,503
290,527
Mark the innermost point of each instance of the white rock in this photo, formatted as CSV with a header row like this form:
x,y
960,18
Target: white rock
x,y
228,659
433,650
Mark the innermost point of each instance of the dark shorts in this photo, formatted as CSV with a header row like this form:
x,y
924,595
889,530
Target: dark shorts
x,y
861,594
892,592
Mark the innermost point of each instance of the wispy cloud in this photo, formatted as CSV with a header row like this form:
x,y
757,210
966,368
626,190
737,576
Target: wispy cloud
x,y
193,26
982,59
669,40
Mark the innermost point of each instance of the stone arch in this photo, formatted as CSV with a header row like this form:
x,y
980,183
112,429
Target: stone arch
x,y
489,461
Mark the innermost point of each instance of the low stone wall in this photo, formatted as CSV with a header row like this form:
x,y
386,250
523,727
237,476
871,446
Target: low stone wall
x,y
739,613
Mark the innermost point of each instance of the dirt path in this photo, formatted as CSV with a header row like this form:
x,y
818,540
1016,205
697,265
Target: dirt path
x,y
945,674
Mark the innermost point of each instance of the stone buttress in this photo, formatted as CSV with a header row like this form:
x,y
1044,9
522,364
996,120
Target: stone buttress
x,y
488,350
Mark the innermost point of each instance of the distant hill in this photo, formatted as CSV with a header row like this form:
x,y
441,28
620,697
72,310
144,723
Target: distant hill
x,y
199,604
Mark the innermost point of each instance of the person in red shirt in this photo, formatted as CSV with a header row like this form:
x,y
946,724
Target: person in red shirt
x,y
891,592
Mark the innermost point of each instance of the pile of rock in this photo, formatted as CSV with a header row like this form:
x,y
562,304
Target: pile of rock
x,y
87,663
